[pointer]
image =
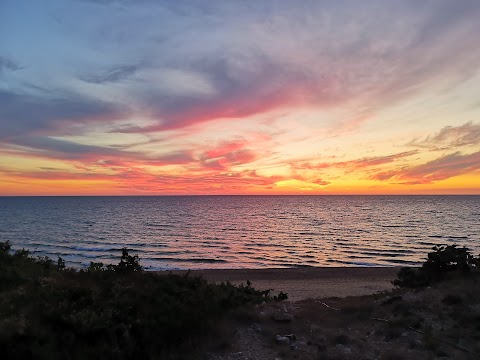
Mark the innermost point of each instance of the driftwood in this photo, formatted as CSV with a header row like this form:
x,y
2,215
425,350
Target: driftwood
x,y
328,306
378,319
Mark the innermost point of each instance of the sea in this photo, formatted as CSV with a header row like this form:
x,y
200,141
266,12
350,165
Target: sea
x,y
238,232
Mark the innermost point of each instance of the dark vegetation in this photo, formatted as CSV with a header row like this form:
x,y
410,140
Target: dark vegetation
x,y
48,311
444,260
438,321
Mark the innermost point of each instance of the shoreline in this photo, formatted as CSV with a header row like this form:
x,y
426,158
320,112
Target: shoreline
x,y
306,283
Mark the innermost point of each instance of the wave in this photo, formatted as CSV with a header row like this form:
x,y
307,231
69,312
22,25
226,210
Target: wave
x,y
159,225
401,262
203,260
352,263
94,249
236,232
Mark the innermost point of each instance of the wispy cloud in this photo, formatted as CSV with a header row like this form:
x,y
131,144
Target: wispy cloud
x,y
139,180
229,154
21,114
7,64
451,137
356,164
62,149
302,56
440,169
110,75
165,93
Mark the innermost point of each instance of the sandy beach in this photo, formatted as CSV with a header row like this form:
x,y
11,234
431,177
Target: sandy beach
x,y
311,282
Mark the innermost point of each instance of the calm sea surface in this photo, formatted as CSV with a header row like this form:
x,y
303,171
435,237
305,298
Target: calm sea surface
x,y
198,232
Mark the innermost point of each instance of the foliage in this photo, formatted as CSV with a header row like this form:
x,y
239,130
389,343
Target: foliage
x,y
410,277
107,312
60,263
281,296
444,259
95,267
4,247
448,258
128,262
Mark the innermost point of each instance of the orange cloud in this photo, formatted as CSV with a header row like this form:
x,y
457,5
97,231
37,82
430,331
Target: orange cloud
x,y
356,164
440,169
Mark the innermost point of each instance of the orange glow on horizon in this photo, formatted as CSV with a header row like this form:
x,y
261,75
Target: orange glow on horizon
x,y
465,184
282,98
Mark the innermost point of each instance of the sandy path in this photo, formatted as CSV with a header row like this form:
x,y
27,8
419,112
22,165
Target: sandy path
x,y
304,283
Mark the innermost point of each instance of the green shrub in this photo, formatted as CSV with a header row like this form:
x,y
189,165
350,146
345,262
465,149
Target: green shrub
x,y
410,277
22,254
448,258
107,312
128,262
5,247
281,296
444,259
46,262
60,263
95,267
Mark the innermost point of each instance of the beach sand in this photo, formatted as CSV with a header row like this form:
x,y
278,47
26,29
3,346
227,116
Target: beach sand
x,y
311,282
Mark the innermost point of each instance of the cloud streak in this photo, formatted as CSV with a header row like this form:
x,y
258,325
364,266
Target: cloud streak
x,y
451,137
7,64
256,66
111,75
439,169
357,164
176,93
22,114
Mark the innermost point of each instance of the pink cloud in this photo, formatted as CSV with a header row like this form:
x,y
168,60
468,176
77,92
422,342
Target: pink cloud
x,y
356,164
225,148
440,169
228,154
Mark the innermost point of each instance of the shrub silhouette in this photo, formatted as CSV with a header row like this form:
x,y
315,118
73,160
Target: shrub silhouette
x,y
413,278
448,258
444,259
128,262
60,263
107,312
95,267
4,247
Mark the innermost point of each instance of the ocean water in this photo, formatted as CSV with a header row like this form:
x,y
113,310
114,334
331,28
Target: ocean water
x,y
199,232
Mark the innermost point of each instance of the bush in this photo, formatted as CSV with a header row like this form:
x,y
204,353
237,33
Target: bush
x,y
413,278
95,267
444,259
128,262
5,247
107,312
60,263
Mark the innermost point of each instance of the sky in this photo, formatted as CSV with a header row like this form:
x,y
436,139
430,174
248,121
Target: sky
x,y
144,97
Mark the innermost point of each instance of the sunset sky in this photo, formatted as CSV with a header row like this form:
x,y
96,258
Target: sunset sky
x,y
131,97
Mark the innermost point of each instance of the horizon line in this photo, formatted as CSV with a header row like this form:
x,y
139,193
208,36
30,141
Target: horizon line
x,y
200,195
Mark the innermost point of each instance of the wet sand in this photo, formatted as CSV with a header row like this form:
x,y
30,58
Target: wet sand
x,y
311,282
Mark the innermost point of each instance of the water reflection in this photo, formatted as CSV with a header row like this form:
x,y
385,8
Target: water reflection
x,y
242,231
